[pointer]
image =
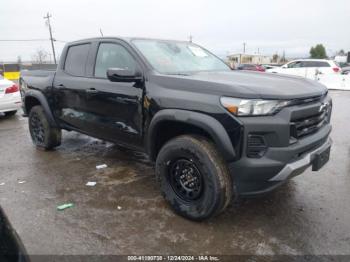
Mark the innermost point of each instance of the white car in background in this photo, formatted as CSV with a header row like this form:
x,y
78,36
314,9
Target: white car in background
x,y
309,68
10,97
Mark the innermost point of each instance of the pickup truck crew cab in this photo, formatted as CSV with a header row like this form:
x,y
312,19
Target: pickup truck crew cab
x,y
214,134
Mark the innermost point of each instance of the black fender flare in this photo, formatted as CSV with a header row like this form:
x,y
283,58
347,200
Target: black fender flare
x,y
209,124
43,102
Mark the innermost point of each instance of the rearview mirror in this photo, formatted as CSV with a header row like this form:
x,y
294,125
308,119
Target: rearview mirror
x,y
123,75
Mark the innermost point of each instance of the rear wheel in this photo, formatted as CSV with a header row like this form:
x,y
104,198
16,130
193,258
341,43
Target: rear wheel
x,y
194,177
10,113
44,136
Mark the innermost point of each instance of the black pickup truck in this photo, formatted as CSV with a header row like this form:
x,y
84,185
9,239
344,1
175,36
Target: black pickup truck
x,y
213,133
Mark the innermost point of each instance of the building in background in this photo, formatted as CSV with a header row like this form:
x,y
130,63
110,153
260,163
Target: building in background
x,y
236,59
11,71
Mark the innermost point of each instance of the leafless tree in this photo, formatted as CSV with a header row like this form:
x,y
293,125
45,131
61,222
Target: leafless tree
x,y
40,56
275,58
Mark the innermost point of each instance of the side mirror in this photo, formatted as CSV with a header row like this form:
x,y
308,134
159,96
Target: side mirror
x,y
284,66
123,75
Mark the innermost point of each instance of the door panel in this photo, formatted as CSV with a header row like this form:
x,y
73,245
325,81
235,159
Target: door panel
x,y
295,69
114,112
69,87
95,105
71,102
115,107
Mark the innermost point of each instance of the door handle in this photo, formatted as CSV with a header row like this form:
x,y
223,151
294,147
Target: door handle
x,y
61,86
91,90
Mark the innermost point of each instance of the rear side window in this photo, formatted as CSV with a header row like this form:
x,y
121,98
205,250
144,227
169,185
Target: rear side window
x,y
321,64
111,55
307,64
315,64
76,59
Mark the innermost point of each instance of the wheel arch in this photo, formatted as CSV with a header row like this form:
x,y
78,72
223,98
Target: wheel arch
x,y
173,122
33,98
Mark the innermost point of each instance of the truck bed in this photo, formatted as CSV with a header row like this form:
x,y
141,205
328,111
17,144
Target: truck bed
x,y
38,79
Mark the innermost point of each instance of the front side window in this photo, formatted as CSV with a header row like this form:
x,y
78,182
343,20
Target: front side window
x,y
111,55
172,57
76,59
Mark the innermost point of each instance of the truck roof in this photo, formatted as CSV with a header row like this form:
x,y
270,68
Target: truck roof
x,y
126,39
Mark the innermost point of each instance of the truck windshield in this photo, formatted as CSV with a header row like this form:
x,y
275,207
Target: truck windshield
x,y
171,57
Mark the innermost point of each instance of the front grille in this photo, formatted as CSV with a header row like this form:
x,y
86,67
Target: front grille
x,y
311,124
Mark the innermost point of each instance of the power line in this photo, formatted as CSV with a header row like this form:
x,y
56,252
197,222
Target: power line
x,y
31,40
22,40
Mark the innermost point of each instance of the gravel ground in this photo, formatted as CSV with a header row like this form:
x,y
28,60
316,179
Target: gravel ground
x,y
125,214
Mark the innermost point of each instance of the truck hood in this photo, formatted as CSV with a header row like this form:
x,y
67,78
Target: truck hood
x,y
243,84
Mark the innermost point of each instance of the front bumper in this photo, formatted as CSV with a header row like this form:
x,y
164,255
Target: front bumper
x,y
294,168
285,156
260,176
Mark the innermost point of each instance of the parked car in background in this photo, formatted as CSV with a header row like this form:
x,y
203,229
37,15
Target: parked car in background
x,y
345,68
251,67
342,65
308,68
10,98
266,66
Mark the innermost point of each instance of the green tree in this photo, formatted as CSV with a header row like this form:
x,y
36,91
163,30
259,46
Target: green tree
x,y
318,51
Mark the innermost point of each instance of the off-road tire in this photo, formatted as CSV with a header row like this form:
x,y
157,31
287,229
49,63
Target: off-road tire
x,y
44,136
198,153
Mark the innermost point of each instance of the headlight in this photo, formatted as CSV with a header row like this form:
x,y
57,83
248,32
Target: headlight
x,y
252,107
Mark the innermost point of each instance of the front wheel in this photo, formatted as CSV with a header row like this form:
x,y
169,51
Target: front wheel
x,y
194,177
44,136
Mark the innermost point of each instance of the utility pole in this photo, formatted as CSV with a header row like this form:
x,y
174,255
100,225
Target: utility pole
x,y
190,38
51,38
244,44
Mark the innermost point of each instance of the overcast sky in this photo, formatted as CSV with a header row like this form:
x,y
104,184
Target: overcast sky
x,y
220,25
